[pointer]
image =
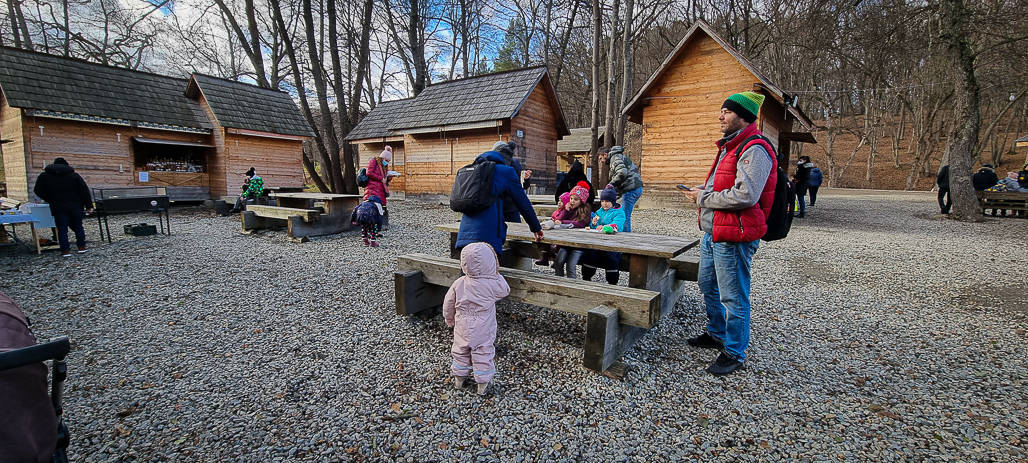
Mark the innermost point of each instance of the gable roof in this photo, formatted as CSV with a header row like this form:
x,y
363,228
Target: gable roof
x,y
478,99
377,122
75,88
702,27
244,106
580,139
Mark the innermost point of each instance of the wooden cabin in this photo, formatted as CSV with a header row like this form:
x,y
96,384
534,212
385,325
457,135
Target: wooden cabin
x,y
122,128
576,146
450,123
679,105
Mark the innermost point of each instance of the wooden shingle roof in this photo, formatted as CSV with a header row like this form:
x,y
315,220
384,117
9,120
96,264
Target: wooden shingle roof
x,y
79,89
579,140
376,124
460,104
244,106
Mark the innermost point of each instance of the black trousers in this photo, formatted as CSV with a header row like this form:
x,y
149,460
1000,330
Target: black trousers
x,y
813,194
944,205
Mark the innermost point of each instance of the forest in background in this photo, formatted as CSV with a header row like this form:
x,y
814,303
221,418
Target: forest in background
x,y
873,75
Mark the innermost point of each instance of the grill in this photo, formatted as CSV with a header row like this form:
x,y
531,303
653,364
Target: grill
x,y
114,201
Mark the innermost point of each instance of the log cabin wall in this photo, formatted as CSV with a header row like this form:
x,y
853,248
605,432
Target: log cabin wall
x,y
277,161
102,154
680,119
537,148
14,152
431,159
366,151
221,180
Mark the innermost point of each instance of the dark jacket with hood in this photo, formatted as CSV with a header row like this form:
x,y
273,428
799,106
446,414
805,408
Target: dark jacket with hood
x,y
984,179
488,225
575,174
510,209
943,178
63,189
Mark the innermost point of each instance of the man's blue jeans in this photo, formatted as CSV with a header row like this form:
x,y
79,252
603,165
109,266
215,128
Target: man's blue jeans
x,y
724,280
628,200
73,219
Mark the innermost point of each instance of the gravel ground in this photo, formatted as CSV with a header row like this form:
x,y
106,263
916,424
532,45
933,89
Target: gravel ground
x,y
880,333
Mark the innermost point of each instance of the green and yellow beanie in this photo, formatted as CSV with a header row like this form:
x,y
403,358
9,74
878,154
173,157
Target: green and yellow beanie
x,y
745,104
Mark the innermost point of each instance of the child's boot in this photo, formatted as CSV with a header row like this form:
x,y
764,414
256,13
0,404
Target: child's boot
x,y
544,258
613,276
458,381
482,387
374,243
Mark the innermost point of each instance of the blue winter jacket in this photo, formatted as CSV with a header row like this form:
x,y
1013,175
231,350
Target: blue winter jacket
x,y
488,225
614,216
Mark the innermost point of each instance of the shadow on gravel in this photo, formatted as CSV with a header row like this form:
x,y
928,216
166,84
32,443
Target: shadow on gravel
x,y
1006,297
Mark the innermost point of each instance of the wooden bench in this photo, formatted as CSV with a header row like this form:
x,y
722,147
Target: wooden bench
x,y
1003,200
284,213
8,203
613,313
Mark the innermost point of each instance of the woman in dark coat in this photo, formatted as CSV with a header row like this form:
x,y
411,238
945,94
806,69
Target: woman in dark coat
x,y
575,174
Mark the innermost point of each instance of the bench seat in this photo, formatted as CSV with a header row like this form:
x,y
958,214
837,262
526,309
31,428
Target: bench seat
x,y
1004,200
278,212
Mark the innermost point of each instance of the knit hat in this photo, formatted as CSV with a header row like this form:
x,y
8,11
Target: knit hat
x,y
609,194
249,173
513,147
387,154
564,198
501,146
60,161
582,193
745,104
583,184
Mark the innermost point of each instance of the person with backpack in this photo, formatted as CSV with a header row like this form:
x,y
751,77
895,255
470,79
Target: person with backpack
x,y
814,183
507,149
735,204
479,191
803,168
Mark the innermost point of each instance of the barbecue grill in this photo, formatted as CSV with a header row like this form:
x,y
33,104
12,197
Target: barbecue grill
x,y
113,201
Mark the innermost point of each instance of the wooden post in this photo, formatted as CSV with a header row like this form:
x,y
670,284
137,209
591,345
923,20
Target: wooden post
x,y
413,295
602,338
251,221
454,252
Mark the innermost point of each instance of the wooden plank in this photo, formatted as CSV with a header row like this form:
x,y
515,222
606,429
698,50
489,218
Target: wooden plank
x,y
631,243
687,268
602,338
636,306
277,212
312,196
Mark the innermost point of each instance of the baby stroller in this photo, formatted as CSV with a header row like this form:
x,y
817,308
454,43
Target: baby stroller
x,y
32,429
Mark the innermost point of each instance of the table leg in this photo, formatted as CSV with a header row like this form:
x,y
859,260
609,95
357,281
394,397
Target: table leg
x,y
454,252
35,238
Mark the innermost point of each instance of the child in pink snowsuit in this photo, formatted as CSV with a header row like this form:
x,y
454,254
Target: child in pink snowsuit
x,y
470,308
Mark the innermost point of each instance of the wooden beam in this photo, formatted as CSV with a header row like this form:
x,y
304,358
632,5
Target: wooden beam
x,y
602,338
283,213
413,295
687,268
637,307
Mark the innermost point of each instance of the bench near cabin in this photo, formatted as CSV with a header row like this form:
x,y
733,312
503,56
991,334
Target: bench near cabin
x,y
1004,201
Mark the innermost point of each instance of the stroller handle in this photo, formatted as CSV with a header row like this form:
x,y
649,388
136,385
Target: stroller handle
x,y
53,350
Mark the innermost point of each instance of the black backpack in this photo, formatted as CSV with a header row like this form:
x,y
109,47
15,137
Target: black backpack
x,y
362,178
473,187
779,220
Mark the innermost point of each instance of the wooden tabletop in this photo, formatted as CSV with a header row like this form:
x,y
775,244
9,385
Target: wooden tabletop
x,y
629,243
541,199
314,196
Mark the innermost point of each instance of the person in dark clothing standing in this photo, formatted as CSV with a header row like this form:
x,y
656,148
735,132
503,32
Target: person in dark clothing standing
x,y
985,178
575,174
943,181
68,196
506,150
803,166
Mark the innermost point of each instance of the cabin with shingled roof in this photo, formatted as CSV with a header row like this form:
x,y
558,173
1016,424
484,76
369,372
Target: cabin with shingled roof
x,y
450,123
121,128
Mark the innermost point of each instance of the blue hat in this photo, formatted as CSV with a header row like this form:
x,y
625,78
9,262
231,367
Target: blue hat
x,y
609,194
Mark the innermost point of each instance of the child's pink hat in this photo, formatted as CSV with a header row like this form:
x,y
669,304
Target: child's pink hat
x,y
564,198
582,193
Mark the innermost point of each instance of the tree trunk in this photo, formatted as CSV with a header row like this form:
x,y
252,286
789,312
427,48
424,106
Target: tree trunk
x,y
561,53
967,118
610,122
595,121
626,75
415,34
255,54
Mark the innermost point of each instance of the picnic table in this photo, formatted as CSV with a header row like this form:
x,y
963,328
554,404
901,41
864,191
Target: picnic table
x,y
300,217
615,316
14,219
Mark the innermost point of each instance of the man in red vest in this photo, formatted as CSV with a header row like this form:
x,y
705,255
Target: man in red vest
x,y
734,204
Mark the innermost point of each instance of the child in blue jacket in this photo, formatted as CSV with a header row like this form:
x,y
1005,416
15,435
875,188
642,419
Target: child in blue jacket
x,y
609,219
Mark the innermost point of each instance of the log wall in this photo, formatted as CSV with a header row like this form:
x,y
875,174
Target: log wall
x,y
537,148
13,152
680,120
366,151
431,159
279,162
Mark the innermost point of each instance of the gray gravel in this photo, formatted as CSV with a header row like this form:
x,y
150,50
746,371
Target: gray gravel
x,y
880,333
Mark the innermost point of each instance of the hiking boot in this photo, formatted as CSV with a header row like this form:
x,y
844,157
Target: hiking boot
x,y
705,341
366,241
82,250
482,387
724,364
800,216
458,381
374,243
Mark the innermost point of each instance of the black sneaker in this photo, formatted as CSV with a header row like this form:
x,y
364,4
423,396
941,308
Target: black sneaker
x,y
724,364
705,341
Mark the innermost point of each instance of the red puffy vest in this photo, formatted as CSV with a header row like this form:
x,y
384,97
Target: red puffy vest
x,y
743,225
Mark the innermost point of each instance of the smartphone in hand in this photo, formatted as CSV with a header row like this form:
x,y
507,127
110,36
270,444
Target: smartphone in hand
x,y
683,187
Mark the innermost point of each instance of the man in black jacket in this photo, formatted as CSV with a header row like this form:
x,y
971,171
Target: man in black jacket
x,y
985,178
943,181
68,196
